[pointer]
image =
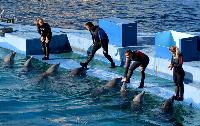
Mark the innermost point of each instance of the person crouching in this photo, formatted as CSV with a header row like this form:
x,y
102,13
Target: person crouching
x,y
140,59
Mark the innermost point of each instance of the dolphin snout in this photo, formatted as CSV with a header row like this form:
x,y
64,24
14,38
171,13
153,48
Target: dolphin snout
x,y
13,53
143,92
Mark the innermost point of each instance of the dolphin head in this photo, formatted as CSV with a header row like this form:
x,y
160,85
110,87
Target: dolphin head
x,y
53,69
168,105
28,62
78,71
139,98
56,66
113,83
12,56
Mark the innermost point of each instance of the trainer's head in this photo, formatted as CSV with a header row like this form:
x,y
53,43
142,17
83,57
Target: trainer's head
x,y
89,25
39,21
173,49
128,53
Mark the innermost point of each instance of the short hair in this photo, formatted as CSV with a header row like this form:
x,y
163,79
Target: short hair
x,y
128,51
90,24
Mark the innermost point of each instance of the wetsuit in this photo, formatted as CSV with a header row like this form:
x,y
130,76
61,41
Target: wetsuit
x,y
178,75
140,59
100,39
45,31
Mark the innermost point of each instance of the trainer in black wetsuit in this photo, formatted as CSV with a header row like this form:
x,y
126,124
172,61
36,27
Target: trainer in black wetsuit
x,y
178,72
140,59
100,39
44,30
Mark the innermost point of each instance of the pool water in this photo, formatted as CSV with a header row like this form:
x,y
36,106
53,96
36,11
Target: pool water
x,y
64,100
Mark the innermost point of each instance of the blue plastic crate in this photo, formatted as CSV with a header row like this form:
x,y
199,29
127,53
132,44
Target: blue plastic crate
x,y
186,43
163,52
188,47
120,32
164,39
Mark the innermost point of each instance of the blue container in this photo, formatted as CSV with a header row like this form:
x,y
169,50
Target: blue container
x,y
198,44
163,52
163,40
187,45
120,32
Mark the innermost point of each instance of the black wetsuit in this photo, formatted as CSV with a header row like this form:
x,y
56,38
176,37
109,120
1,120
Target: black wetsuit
x,y
178,74
45,31
100,39
140,59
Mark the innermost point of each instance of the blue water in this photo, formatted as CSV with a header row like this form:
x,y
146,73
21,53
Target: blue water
x,y
151,15
63,100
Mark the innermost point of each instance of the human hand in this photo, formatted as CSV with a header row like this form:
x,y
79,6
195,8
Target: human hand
x,y
124,79
142,69
42,39
46,40
170,66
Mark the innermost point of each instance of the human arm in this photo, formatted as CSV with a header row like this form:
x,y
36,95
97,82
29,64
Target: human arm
x,y
127,65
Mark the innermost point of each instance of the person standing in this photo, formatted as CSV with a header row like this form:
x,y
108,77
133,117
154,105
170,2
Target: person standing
x,y
140,59
44,30
178,72
100,39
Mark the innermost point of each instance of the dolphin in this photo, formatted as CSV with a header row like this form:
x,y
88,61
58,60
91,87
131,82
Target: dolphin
x,y
111,84
167,105
138,99
80,71
49,72
9,59
28,64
